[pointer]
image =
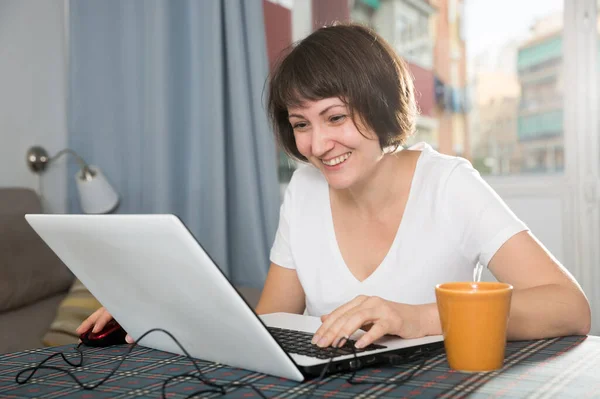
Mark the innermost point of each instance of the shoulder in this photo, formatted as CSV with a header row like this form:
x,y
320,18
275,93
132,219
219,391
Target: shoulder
x,y
436,170
454,182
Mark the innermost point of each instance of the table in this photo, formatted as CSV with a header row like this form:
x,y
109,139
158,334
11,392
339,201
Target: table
x,y
566,367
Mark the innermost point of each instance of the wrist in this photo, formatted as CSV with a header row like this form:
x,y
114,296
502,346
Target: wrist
x,y
429,319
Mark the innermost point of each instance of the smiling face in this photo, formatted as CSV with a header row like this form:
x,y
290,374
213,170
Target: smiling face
x,y
328,138
308,89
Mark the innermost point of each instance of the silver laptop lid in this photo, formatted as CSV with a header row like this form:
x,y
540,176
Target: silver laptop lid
x,y
150,272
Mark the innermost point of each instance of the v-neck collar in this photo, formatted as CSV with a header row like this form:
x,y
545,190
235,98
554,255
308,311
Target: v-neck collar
x,y
340,263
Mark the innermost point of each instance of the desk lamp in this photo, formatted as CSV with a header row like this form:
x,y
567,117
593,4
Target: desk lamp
x,y
96,195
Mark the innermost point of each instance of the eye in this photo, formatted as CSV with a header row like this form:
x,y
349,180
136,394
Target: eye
x,y
337,118
299,125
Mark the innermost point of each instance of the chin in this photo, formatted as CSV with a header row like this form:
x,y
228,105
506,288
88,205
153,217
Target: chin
x,y
339,182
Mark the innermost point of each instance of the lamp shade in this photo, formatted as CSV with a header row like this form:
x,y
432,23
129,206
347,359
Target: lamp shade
x,y
96,195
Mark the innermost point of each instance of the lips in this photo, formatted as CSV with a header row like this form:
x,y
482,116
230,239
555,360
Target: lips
x,y
337,160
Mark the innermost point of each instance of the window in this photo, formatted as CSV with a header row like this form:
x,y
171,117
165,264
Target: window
x,y
533,43
477,65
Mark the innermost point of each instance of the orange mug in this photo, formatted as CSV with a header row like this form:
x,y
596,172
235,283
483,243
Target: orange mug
x,y
474,319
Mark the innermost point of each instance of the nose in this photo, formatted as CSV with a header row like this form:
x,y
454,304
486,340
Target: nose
x,y
321,142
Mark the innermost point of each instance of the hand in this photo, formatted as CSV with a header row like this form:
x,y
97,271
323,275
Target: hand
x,y
98,320
374,314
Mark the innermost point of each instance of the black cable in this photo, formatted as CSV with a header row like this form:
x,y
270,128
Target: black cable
x,y
211,387
215,388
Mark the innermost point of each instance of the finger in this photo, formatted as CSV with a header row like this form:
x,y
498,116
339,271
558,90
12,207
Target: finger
x,y
359,302
377,331
129,339
101,322
348,324
338,343
328,330
89,322
324,317
333,316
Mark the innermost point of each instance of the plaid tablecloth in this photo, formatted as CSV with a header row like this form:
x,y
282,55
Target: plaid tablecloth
x,y
566,367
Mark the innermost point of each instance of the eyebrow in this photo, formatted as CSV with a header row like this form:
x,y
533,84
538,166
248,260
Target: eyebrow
x,y
320,113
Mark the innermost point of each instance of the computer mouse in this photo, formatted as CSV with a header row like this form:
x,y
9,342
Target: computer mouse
x,y
111,334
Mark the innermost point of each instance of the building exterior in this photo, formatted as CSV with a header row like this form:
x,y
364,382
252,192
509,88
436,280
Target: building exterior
x,y
450,69
406,25
497,151
495,95
540,118
429,35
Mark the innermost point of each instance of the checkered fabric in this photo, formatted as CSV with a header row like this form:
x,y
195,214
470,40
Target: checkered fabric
x,y
562,367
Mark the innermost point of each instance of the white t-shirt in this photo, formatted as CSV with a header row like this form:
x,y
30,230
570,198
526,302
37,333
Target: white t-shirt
x,y
452,221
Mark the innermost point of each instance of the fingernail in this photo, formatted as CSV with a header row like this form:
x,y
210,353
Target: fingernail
x,y
128,339
95,329
360,344
341,342
322,342
315,339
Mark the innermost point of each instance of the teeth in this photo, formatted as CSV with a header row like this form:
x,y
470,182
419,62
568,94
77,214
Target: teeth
x,y
337,160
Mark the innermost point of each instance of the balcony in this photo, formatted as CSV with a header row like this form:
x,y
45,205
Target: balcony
x,y
541,104
540,52
540,126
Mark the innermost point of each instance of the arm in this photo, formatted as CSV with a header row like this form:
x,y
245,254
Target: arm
x,y
546,301
282,292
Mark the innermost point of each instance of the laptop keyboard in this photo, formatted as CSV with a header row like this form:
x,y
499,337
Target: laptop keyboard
x,y
298,342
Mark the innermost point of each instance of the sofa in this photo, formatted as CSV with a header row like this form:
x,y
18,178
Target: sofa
x,y
33,281
41,302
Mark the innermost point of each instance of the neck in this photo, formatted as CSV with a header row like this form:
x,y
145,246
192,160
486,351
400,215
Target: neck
x,y
379,189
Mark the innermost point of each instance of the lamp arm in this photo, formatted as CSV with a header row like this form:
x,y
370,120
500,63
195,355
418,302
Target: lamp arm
x,y
38,160
79,159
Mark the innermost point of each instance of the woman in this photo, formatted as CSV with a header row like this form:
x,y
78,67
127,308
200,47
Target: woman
x,y
367,229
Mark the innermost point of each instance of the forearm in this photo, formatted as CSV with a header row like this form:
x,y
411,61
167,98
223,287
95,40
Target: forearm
x,y
535,313
548,311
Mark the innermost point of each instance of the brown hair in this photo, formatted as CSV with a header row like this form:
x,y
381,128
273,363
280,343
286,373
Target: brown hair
x,y
355,64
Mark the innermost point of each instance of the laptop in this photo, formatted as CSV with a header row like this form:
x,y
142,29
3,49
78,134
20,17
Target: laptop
x,y
150,272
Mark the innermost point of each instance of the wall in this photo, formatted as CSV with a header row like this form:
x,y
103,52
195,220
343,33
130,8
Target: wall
x,y
328,12
33,96
278,29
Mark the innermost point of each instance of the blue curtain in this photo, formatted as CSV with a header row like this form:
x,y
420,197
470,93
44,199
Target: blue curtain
x,y
166,98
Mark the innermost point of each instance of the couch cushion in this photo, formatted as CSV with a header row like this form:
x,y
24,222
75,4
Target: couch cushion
x,y
77,306
24,328
29,270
